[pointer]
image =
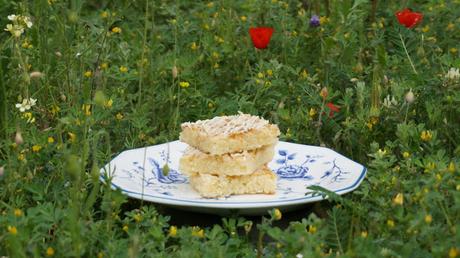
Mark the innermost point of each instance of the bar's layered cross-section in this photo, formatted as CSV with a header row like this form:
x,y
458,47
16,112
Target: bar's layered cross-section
x,y
262,181
195,161
228,155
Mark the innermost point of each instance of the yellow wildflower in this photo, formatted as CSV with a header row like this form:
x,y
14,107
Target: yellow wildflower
x,y
210,4
116,30
125,228
453,252
123,69
260,75
108,103
184,84
72,136
363,234
50,139
12,230
88,74
21,157
29,117
243,18
270,72
426,136
268,83
406,154
206,26
390,223
430,166
219,40
137,218
450,26
312,229
426,29
119,116
312,112
18,212
36,148
323,20
105,14
428,219
451,167
399,199
49,251
304,74
194,46
216,65
277,214
215,55
172,231
197,232
453,50
104,66
55,109
381,152
86,109
100,255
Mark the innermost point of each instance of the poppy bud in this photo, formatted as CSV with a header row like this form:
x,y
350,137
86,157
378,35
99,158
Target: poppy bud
x,y
18,138
324,92
36,74
410,96
174,72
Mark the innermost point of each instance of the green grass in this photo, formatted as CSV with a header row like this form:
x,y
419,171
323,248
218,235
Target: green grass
x,y
110,80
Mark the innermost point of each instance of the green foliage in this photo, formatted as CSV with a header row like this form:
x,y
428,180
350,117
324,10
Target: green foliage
x,y
114,75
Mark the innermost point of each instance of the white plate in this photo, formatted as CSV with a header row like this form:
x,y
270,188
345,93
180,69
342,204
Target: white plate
x,y
138,174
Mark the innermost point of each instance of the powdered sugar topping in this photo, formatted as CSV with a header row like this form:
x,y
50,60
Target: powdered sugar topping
x,y
228,125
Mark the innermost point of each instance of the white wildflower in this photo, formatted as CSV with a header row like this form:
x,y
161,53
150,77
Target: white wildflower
x,y
453,74
13,17
26,104
299,255
15,30
20,22
27,21
389,101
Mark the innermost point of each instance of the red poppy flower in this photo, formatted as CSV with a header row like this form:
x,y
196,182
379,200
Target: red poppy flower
x,y
332,109
261,36
408,18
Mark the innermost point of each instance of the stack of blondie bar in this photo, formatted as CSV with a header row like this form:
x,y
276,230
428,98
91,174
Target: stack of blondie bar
x,y
228,155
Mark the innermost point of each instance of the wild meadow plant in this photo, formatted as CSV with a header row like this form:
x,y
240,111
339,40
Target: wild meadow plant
x,y
81,81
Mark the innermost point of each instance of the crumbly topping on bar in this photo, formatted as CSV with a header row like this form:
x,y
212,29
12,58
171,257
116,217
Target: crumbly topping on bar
x,y
228,125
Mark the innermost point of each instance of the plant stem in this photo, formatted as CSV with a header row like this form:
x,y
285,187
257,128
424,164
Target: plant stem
x,y
318,124
407,54
144,44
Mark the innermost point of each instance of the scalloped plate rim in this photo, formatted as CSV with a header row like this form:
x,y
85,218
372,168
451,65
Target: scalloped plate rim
x,y
223,204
